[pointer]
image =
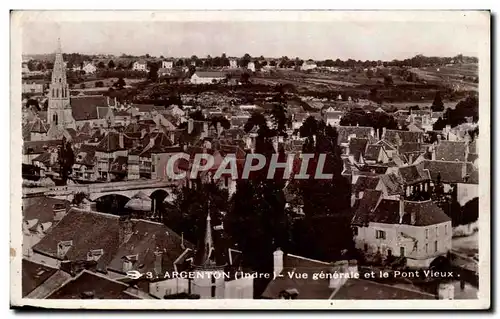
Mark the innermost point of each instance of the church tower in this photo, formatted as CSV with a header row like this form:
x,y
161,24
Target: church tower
x,y
59,113
209,263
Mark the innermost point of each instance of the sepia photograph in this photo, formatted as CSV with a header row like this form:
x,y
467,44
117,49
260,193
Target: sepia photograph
x,y
250,160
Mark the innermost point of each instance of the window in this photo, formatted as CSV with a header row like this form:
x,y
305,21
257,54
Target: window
x,y
401,251
380,234
437,233
426,247
435,246
446,229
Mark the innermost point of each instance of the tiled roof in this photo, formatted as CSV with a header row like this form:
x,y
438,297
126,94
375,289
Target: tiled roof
x,y
88,231
471,157
393,136
413,174
85,108
33,275
359,131
37,126
451,151
393,184
372,152
38,147
450,172
365,206
307,288
42,208
357,147
365,182
111,143
146,108
95,285
426,213
43,158
146,238
410,147
210,74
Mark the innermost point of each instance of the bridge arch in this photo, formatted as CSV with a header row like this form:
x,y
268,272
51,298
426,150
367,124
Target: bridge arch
x,y
112,204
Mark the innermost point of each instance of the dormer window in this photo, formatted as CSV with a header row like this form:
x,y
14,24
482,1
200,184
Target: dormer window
x,y
63,248
95,254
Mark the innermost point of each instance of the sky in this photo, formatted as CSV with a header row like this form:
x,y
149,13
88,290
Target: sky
x,y
359,40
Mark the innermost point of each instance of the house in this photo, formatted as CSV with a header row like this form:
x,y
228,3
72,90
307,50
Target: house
x,y
251,66
417,230
89,68
33,149
85,168
350,285
207,77
451,151
167,64
333,117
308,65
140,65
348,132
33,87
40,280
233,64
109,153
92,109
37,130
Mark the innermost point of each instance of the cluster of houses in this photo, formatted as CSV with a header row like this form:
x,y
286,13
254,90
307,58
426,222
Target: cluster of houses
x,y
392,173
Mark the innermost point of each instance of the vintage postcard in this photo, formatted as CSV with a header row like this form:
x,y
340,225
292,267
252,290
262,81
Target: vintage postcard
x,y
250,160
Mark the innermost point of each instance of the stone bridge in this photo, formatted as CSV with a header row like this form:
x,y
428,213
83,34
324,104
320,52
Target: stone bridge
x,y
97,190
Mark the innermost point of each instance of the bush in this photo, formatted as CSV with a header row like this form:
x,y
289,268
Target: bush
x,y
99,84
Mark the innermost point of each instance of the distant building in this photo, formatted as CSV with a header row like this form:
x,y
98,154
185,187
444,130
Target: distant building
x,y
33,87
167,64
251,66
140,65
24,68
209,77
233,64
308,65
89,68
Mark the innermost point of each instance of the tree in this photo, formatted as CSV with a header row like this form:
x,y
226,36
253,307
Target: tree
x,y
222,120
153,72
34,103
388,81
111,64
256,119
245,78
437,104
369,73
279,112
99,84
120,83
101,65
66,159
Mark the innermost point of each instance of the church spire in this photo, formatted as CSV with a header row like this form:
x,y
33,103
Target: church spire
x,y
206,253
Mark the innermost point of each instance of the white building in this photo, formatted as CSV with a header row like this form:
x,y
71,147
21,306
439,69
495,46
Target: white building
x,y
209,77
140,66
167,64
89,68
33,87
251,66
419,231
308,65
233,64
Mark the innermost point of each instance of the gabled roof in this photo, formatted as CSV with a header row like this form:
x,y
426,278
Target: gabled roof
x,y
426,213
451,151
450,171
411,174
111,143
33,275
404,136
146,239
359,131
210,74
38,147
42,208
85,107
357,147
365,182
372,152
88,231
365,206
37,126
91,285
393,184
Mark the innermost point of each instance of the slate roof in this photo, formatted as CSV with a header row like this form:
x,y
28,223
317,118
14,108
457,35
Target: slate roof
x,y
359,131
410,147
85,107
96,285
42,208
412,174
210,74
357,147
111,143
372,152
147,237
451,151
365,182
393,184
404,136
33,275
88,155
38,147
450,171
471,157
37,126
88,231
365,206
426,213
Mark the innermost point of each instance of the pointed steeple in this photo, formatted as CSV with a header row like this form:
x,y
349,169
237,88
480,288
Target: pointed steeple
x,y
206,255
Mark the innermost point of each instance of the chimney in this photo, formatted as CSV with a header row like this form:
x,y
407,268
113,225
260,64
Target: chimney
x,y
383,132
116,103
278,261
410,158
125,229
401,208
107,100
190,126
59,212
158,261
120,140
464,170
446,291
413,218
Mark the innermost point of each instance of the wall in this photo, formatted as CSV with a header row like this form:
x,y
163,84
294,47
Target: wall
x,y
394,240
